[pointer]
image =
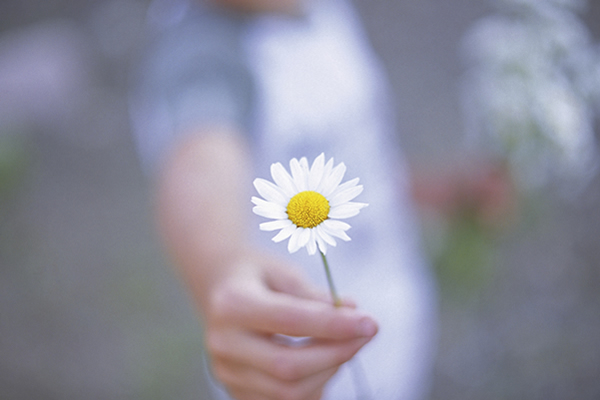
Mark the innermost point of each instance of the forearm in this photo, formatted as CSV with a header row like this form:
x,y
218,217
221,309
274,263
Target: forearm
x,y
203,194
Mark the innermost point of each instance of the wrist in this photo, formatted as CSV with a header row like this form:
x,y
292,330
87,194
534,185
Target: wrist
x,y
206,273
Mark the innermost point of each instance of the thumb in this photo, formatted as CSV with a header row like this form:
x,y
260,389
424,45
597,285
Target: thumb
x,y
289,280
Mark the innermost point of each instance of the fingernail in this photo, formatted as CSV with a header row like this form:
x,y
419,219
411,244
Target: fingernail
x,y
367,327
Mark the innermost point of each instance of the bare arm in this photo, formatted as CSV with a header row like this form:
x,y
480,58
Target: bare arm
x,y
244,296
202,193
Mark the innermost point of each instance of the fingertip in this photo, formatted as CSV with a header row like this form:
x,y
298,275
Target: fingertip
x,y
367,327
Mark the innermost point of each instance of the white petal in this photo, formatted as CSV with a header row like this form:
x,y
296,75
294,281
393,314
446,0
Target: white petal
x,y
271,192
264,203
304,164
325,237
274,225
316,172
334,224
346,210
284,233
299,175
283,179
326,172
336,228
293,244
344,186
322,245
259,202
328,166
272,211
342,235
311,245
331,181
304,237
344,196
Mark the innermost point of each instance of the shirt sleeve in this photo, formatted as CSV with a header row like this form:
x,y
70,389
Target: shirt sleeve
x,y
194,74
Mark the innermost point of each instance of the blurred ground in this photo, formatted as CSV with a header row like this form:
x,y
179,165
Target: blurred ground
x,y
87,307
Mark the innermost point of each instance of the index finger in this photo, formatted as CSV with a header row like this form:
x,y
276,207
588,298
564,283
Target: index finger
x,y
295,316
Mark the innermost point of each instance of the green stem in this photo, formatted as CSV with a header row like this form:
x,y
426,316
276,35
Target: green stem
x,y
360,379
336,300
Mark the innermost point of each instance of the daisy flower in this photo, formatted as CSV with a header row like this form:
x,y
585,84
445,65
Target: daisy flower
x,y
307,205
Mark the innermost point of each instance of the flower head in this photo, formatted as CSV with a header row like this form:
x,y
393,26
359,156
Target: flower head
x,y
307,205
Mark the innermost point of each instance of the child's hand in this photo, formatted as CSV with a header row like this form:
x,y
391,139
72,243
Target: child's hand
x,y
249,311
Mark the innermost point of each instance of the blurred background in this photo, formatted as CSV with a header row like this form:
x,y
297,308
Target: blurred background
x,y
498,107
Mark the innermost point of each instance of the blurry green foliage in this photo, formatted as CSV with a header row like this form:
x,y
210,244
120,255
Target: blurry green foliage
x,y
465,257
14,159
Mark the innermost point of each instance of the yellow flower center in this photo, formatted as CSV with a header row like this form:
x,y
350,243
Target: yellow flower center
x,y
308,209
